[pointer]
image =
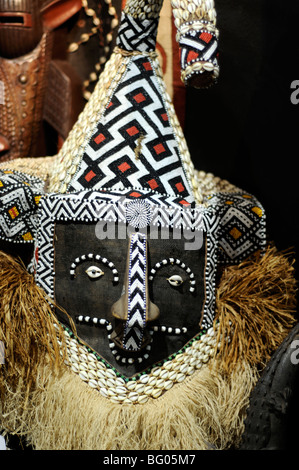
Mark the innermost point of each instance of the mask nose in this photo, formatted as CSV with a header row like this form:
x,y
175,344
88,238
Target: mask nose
x,y
134,307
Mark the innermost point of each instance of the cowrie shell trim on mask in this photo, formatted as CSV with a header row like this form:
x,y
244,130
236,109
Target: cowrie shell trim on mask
x,y
151,383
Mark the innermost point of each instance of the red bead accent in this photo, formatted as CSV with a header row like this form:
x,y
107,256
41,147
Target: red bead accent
x,y
124,167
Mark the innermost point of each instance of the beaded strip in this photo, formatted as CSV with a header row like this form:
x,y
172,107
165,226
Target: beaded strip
x,y
98,258
177,262
151,383
137,306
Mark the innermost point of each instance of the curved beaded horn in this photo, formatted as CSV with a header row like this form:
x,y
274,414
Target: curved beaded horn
x,y
197,36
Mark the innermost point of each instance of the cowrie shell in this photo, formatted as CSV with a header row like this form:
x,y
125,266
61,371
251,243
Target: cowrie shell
x,y
156,371
175,280
93,383
75,367
180,377
148,390
92,374
104,392
139,388
133,396
83,375
142,399
131,385
110,383
157,392
144,379
121,390
168,384
164,374
152,380
172,375
110,373
102,383
94,272
184,368
101,374
190,370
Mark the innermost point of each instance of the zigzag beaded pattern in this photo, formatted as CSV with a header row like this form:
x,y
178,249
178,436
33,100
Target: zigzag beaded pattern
x,y
133,330
134,145
87,206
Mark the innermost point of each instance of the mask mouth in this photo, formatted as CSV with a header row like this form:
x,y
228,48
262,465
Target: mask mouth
x,y
129,355
118,334
115,336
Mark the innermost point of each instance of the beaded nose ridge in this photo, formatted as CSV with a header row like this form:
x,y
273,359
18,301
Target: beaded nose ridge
x,y
134,307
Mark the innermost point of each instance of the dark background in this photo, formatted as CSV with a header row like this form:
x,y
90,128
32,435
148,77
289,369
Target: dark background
x,y
245,129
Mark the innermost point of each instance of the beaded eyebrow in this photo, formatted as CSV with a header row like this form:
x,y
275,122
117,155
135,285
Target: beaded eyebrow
x,y
178,262
89,257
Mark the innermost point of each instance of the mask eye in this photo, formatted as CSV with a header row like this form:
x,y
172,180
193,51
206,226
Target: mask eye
x,y
175,280
94,272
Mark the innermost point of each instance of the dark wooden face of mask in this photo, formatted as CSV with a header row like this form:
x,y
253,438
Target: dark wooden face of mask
x,y
81,295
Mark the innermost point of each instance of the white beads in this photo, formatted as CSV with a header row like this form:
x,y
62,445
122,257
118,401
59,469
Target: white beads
x,y
175,280
93,271
148,385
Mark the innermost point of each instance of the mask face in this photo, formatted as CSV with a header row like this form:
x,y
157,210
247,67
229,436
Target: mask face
x,y
136,299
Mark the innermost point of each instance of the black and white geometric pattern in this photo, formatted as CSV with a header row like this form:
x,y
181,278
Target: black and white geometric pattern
x,y
138,213
134,145
135,34
136,320
19,198
242,226
198,46
211,230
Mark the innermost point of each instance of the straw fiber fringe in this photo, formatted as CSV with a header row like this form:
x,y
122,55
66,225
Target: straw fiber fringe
x,y
26,327
204,412
255,305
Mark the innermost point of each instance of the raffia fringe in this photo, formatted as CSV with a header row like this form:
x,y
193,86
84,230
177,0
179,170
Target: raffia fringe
x,y
26,327
204,412
255,306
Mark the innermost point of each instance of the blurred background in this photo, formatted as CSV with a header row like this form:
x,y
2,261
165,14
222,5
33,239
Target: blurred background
x,y
243,129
